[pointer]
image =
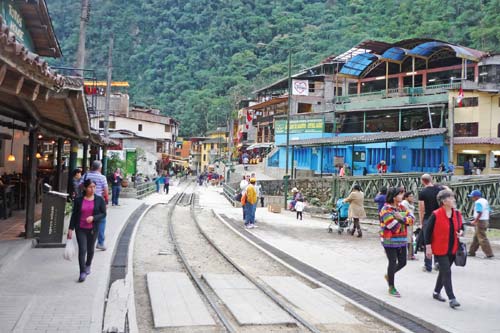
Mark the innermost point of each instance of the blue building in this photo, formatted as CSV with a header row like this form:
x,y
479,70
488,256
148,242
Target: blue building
x,y
376,102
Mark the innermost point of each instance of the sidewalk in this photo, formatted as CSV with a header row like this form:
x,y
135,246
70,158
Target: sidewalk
x,y
362,264
39,291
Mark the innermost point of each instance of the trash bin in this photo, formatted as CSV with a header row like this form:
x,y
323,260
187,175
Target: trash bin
x,y
53,208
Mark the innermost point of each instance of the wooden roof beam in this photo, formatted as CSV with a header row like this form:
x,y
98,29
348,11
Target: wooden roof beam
x,y
31,109
74,117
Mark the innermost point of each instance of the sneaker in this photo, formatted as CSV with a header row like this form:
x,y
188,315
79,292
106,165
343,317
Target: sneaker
x,y
413,258
424,269
438,297
87,270
247,226
101,247
469,254
393,292
82,277
255,226
454,303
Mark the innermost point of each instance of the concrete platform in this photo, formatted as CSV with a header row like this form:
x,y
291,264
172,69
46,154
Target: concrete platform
x,y
247,303
317,303
175,302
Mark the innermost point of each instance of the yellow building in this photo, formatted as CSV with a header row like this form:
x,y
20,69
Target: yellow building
x,y
476,123
214,147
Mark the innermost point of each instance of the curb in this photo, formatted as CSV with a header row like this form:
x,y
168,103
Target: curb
x,y
354,303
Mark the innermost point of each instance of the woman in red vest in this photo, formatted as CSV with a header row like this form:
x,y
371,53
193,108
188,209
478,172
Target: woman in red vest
x,y
441,239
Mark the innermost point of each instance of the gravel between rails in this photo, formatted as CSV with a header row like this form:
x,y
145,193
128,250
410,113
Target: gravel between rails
x,y
204,258
256,263
151,238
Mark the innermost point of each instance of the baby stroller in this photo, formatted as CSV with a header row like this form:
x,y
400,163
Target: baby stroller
x,y
339,217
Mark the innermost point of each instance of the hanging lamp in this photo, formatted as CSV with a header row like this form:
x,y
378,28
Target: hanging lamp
x,y
11,157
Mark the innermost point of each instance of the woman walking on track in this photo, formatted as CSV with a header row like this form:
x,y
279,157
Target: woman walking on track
x,y
441,239
356,208
88,211
394,222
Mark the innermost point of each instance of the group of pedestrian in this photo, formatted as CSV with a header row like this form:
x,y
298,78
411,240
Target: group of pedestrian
x,y
441,226
249,196
163,183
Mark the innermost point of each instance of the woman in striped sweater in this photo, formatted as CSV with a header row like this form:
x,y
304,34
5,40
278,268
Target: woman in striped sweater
x,y
394,222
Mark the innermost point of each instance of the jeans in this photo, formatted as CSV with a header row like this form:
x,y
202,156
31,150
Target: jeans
x,y
249,213
165,188
102,228
444,277
397,260
427,262
115,194
86,242
299,214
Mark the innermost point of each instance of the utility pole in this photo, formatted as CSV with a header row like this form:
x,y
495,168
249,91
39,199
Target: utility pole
x,y
84,19
106,105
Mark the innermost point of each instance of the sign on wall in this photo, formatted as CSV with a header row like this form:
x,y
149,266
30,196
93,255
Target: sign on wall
x,y
16,23
300,126
300,87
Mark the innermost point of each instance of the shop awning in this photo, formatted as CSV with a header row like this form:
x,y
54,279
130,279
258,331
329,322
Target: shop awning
x,y
260,145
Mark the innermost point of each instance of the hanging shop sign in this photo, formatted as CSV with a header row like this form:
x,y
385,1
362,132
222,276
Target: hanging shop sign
x,y
16,23
300,126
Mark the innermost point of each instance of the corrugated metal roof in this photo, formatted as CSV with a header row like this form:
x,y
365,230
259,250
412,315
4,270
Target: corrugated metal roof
x,y
368,138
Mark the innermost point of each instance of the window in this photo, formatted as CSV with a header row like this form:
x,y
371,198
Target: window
x,y
139,127
112,124
204,157
466,129
159,147
468,102
167,128
304,108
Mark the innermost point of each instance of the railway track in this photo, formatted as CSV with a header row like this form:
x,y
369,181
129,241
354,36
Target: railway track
x,y
186,199
189,243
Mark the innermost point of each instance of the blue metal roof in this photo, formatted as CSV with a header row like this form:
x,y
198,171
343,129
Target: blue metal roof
x,y
357,65
394,54
429,48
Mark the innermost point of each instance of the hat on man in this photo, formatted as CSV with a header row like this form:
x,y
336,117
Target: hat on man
x,y
253,180
475,193
295,189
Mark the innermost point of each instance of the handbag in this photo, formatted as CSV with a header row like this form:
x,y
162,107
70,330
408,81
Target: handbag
x,y
461,256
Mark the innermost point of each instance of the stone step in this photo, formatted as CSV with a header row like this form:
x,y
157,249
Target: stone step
x,y
175,301
248,304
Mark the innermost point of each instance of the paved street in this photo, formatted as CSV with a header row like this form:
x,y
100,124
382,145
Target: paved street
x,y
361,263
39,292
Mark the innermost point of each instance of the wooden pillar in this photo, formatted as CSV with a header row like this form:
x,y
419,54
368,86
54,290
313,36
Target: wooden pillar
x,y
31,185
58,180
359,87
476,73
424,79
85,157
386,78
400,84
73,155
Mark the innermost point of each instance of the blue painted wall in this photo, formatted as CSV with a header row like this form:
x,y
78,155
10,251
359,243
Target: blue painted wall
x,y
400,156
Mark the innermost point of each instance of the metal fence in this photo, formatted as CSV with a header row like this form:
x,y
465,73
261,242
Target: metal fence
x,y
144,189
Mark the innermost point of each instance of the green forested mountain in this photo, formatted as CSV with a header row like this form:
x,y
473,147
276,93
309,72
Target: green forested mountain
x,y
195,58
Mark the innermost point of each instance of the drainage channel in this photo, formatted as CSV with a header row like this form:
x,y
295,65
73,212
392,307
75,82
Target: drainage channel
x,y
400,317
120,257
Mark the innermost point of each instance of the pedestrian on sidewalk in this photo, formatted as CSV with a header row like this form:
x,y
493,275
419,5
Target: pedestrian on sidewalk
x,y
88,213
101,189
427,203
249,203
116,187
408,201
356,200
243,186
159,182
380,198
443,228
481,223
299,208
75,184
166,183
394,222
